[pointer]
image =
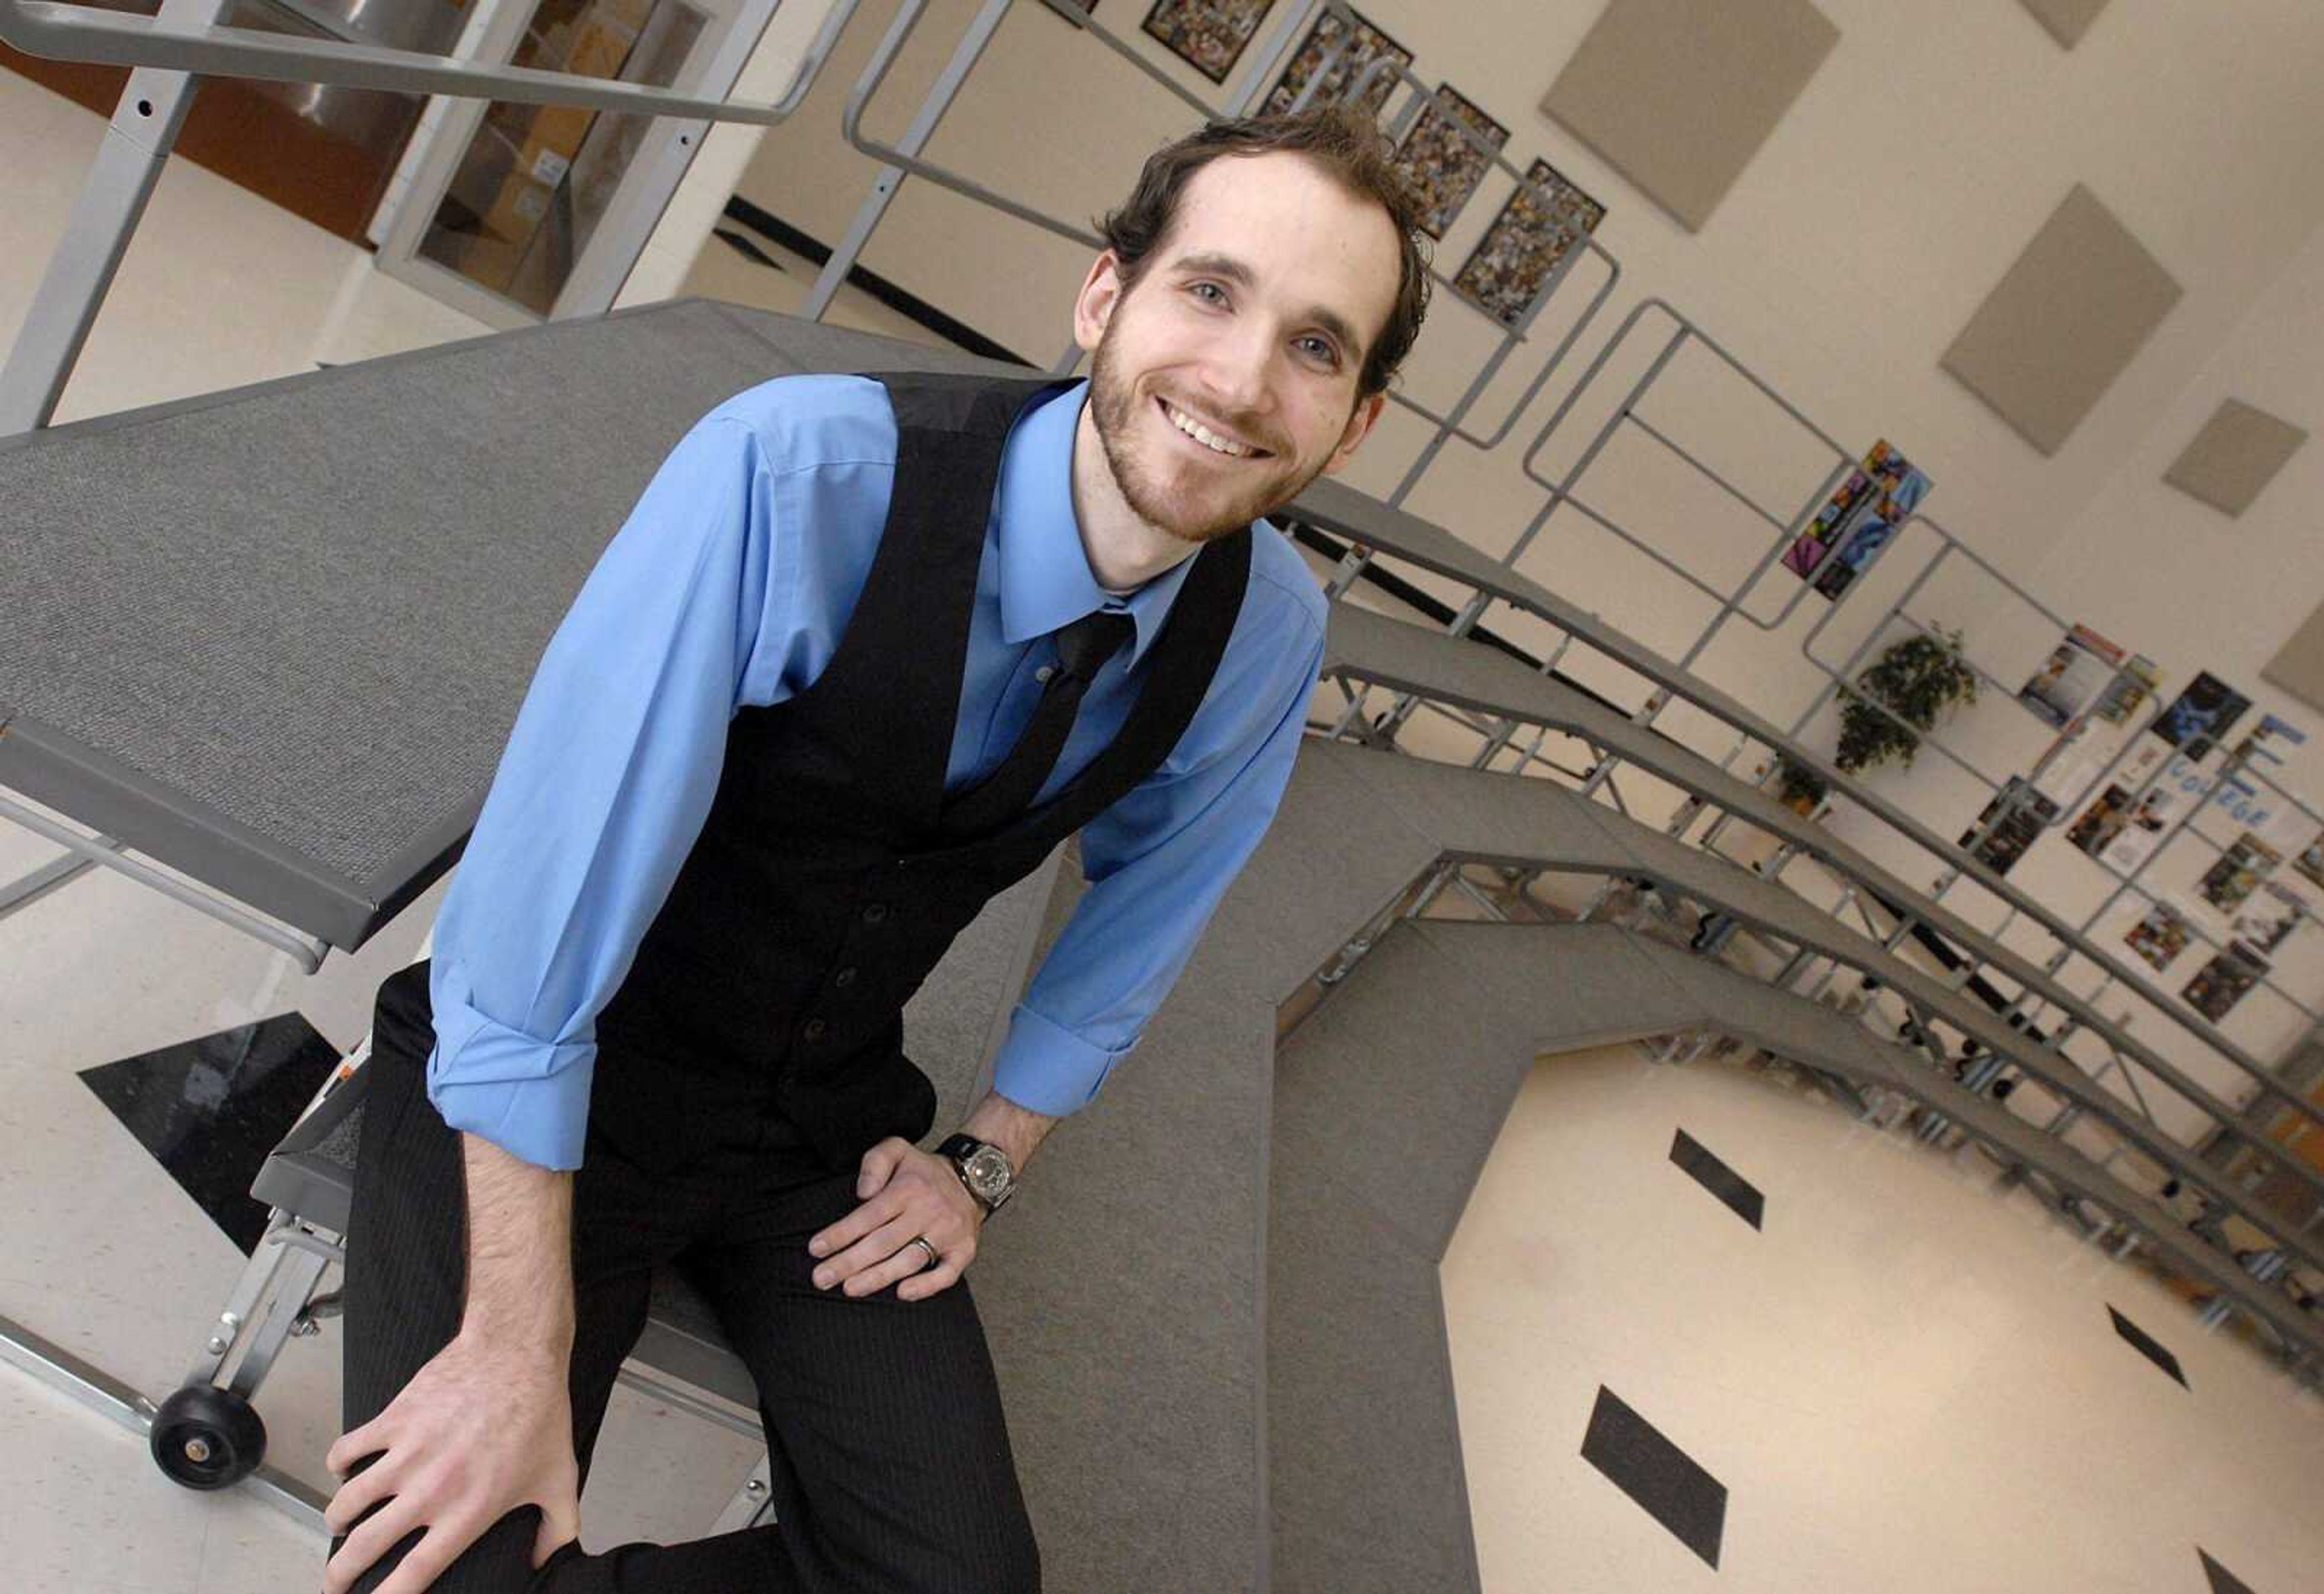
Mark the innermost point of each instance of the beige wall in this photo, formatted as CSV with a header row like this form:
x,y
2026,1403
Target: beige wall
x,y
1924,155
1921,159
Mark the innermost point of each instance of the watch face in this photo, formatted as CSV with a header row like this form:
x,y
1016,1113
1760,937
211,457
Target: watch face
x,y
988,1172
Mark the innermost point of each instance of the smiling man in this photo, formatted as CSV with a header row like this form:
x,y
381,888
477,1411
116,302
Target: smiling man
x,y
865,652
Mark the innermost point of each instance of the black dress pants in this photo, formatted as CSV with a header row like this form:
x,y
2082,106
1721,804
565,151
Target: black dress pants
x,y
890,1462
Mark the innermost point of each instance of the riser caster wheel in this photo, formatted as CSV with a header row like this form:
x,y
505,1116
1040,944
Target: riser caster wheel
x,y
207,1437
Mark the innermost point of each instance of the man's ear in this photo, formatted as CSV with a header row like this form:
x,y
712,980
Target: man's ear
x,y
1102,290
1359,427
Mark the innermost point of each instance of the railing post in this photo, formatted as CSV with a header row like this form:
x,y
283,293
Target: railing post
x,y
875,207
112,198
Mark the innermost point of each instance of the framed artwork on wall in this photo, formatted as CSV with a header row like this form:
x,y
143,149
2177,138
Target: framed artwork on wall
x,y
1369,45
1527,241
1441,165
1209,35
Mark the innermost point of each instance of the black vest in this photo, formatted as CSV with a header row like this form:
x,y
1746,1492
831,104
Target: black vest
x,y
825,884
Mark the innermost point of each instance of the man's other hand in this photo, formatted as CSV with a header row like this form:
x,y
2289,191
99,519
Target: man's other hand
x,y
479,1430
906,1194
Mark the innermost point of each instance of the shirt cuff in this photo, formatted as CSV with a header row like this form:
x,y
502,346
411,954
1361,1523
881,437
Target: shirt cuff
x,y
1049,1070
529,1096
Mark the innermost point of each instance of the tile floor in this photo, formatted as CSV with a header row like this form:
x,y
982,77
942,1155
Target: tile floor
x,y
1903,1381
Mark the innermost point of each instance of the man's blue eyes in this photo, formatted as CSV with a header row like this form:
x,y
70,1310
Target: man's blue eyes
x,y
1212,293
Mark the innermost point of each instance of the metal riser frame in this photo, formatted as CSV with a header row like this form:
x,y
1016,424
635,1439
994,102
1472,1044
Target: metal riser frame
x,y
1684,334
2227,1119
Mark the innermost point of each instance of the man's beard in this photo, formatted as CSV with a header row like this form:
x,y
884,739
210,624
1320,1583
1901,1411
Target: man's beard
x,y
1113,406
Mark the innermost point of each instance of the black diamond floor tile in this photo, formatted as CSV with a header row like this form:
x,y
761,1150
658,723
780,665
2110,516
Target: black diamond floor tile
x,y
1739,1193
2223,1581
2147,1346
1667,1483
209,1110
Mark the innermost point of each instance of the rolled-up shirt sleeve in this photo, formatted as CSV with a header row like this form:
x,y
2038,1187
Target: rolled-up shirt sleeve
x,y
1158,861
600,795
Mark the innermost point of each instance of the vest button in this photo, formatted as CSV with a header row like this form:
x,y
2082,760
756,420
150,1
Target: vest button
x,y
876,913
844,979
815,1029
1044,672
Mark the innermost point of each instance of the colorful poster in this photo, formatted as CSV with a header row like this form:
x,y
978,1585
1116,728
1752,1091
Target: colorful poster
x,y
2132,684
2271,917
2201,716
2225,981
2238,872
1369,45
2102,822
1209,35
2017,814
2309,862
2160,937
1858,521
1526,243
1439,162
2124,824
2076,672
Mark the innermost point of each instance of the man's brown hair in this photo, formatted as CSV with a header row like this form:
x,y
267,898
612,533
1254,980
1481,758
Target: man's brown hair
x,y
1344,142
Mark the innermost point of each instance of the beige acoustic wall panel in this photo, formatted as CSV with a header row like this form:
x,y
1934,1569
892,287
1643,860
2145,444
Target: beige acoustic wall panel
x,y
2067,20
2298,669
2049,341
1679,94
2236,455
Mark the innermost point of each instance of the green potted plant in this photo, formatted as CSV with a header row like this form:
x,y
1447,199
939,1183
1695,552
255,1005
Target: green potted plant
x,y
1919,678
1798,787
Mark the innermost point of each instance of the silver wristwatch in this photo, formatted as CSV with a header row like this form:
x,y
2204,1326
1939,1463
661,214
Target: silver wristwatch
x,y
984,1169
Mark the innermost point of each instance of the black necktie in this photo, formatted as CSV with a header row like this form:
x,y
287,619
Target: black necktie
x,y
1083,649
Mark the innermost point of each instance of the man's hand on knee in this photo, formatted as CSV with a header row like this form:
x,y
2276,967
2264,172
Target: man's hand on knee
x,y
479,1430
908,1195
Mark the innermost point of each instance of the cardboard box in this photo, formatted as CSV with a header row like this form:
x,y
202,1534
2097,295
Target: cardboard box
x,y
548,137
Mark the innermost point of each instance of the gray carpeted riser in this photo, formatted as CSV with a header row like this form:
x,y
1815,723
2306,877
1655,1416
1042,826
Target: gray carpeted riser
x,y
1421,658
1569,985
1782,1022
1336,856
1367,1490
1448,669
1512,816
1469,812
1339,509
1391,1094
354,519
1140,1227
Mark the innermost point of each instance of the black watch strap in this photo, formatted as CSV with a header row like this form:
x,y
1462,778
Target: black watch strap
x,y
958,1149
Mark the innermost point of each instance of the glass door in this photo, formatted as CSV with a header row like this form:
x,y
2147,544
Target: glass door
x,y
520,213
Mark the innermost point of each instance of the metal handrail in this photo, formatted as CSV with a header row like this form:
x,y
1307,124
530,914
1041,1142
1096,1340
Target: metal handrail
x,y
111,38
902,160
2072,937
2182,1085
1562,491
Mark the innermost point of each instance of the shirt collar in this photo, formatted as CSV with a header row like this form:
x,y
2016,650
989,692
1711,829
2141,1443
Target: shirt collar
x,y
1045,581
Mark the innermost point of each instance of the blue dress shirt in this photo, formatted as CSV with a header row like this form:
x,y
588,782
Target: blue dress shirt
x,y
730,585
